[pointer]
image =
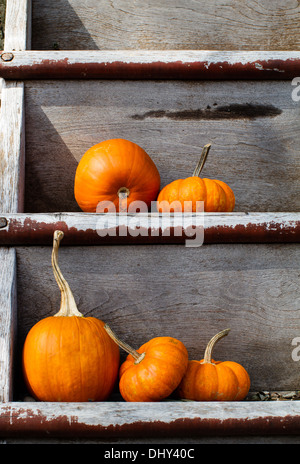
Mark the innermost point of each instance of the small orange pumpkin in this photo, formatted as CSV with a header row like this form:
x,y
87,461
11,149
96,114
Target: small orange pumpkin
x,y
68,357
113,174
183,194
210,380
152,372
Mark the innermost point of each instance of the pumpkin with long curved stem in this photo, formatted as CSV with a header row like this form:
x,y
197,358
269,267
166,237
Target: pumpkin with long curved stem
x,y
195,194
113,174
69,357
152,372
210,380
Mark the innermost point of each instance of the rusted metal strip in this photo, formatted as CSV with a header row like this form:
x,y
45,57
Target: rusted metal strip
x,y
149,64
140,228
140,420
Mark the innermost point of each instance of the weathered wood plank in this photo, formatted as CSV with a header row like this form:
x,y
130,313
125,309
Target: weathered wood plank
x,y
143,24
12,130
253,128
17,25
190,293
8,313
12,147
169,419
189,229
151,64
12,167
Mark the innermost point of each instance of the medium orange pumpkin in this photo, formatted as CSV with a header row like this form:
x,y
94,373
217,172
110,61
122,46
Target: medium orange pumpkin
x,y
209,380
113,174
216,194
152,372
68,357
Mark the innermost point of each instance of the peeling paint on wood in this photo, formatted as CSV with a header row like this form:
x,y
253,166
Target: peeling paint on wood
x,y
121,419
91,229
145,64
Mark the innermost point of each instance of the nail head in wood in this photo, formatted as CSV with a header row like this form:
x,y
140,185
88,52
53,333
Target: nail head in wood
x,y
3,222
7,56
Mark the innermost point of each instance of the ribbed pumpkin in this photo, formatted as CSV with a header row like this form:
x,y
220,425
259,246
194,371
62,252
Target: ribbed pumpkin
x,y
209,380
68,357
113,174
152,372
216,194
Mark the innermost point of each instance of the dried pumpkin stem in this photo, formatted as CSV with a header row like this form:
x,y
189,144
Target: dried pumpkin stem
x,y
202,160
135,354
68,306
211,344
123,192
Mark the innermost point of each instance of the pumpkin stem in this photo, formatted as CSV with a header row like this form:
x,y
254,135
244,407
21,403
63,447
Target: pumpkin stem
x,y
211,344
135,354
68,306
123,192
202,160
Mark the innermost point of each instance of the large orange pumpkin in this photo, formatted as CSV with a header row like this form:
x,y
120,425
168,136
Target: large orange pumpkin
x,y
113,174
68,357
185,195
152,372
209,380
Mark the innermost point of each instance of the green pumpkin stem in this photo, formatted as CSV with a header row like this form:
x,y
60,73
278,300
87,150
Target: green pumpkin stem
x,y
68,306
211,344
202,160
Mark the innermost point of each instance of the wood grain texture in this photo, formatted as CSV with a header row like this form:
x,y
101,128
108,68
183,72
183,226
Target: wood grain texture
x,y
191,294
253,128
17,25
190,229
12,167
151,64
12,147
8,313
183,420
165,24
12,118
